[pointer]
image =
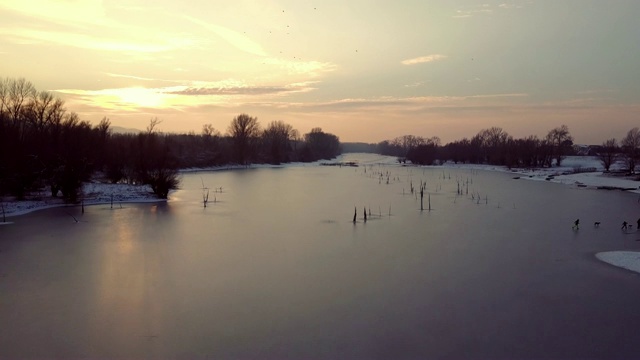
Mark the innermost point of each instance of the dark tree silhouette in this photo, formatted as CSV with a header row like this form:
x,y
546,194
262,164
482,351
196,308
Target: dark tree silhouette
x,y
244,131
631,148
608,153
209,131
156,165
320,145
423,154
493,145
560,141
277,139
426,153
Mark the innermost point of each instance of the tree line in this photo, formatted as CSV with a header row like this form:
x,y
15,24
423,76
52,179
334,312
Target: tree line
x,y
496,147
489,146
42,145
627,150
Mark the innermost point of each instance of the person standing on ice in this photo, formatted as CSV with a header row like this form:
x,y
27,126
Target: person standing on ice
x,y
576,224
624,225
638,227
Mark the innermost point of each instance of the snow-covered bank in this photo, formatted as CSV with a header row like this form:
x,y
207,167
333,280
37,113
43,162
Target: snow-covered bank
x,y
583,171
94,193
102,193
579,171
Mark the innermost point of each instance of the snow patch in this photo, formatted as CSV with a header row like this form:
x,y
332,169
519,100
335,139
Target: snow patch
x,y
94,193
575,170
629,260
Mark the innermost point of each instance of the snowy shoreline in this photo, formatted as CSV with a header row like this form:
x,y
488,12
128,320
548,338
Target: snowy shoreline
x,y
95,193
578,171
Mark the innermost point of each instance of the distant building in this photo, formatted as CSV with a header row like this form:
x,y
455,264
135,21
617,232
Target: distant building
x,y
586,150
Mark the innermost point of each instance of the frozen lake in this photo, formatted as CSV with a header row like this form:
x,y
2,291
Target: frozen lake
x,y
275,268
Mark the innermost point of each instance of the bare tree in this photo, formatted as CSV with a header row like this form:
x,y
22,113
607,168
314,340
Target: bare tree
x,y
41,110
631,148
495,145
20,91
277,139
152,125
560,141
244,131
4,94
608,153
15,95
103,127
434,140
209,131
407,142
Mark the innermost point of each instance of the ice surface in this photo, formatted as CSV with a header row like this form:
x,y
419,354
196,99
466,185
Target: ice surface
x,y
277,269
100,193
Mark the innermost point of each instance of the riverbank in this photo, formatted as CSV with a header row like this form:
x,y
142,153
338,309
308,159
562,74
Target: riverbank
x,y
98,192
94,193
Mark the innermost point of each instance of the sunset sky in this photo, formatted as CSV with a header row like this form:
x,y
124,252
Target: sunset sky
x,y
365,70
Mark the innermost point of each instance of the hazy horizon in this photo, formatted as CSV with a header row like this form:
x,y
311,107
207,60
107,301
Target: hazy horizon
x,y
365,71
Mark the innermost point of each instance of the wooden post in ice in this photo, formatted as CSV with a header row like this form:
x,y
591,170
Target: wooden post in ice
x,y
365,214
205,194
429,201
355,213
421,197
112,201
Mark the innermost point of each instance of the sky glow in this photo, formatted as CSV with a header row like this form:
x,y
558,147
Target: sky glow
x,y
363,70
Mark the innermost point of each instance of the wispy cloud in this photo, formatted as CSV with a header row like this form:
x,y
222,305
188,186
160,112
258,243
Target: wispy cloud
x,y
488,9
222,93
244,90
424,59
26,36
82,25
415,84
234,38
310,68
483,9
419,101
123,76
513,5
86,12
129,98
